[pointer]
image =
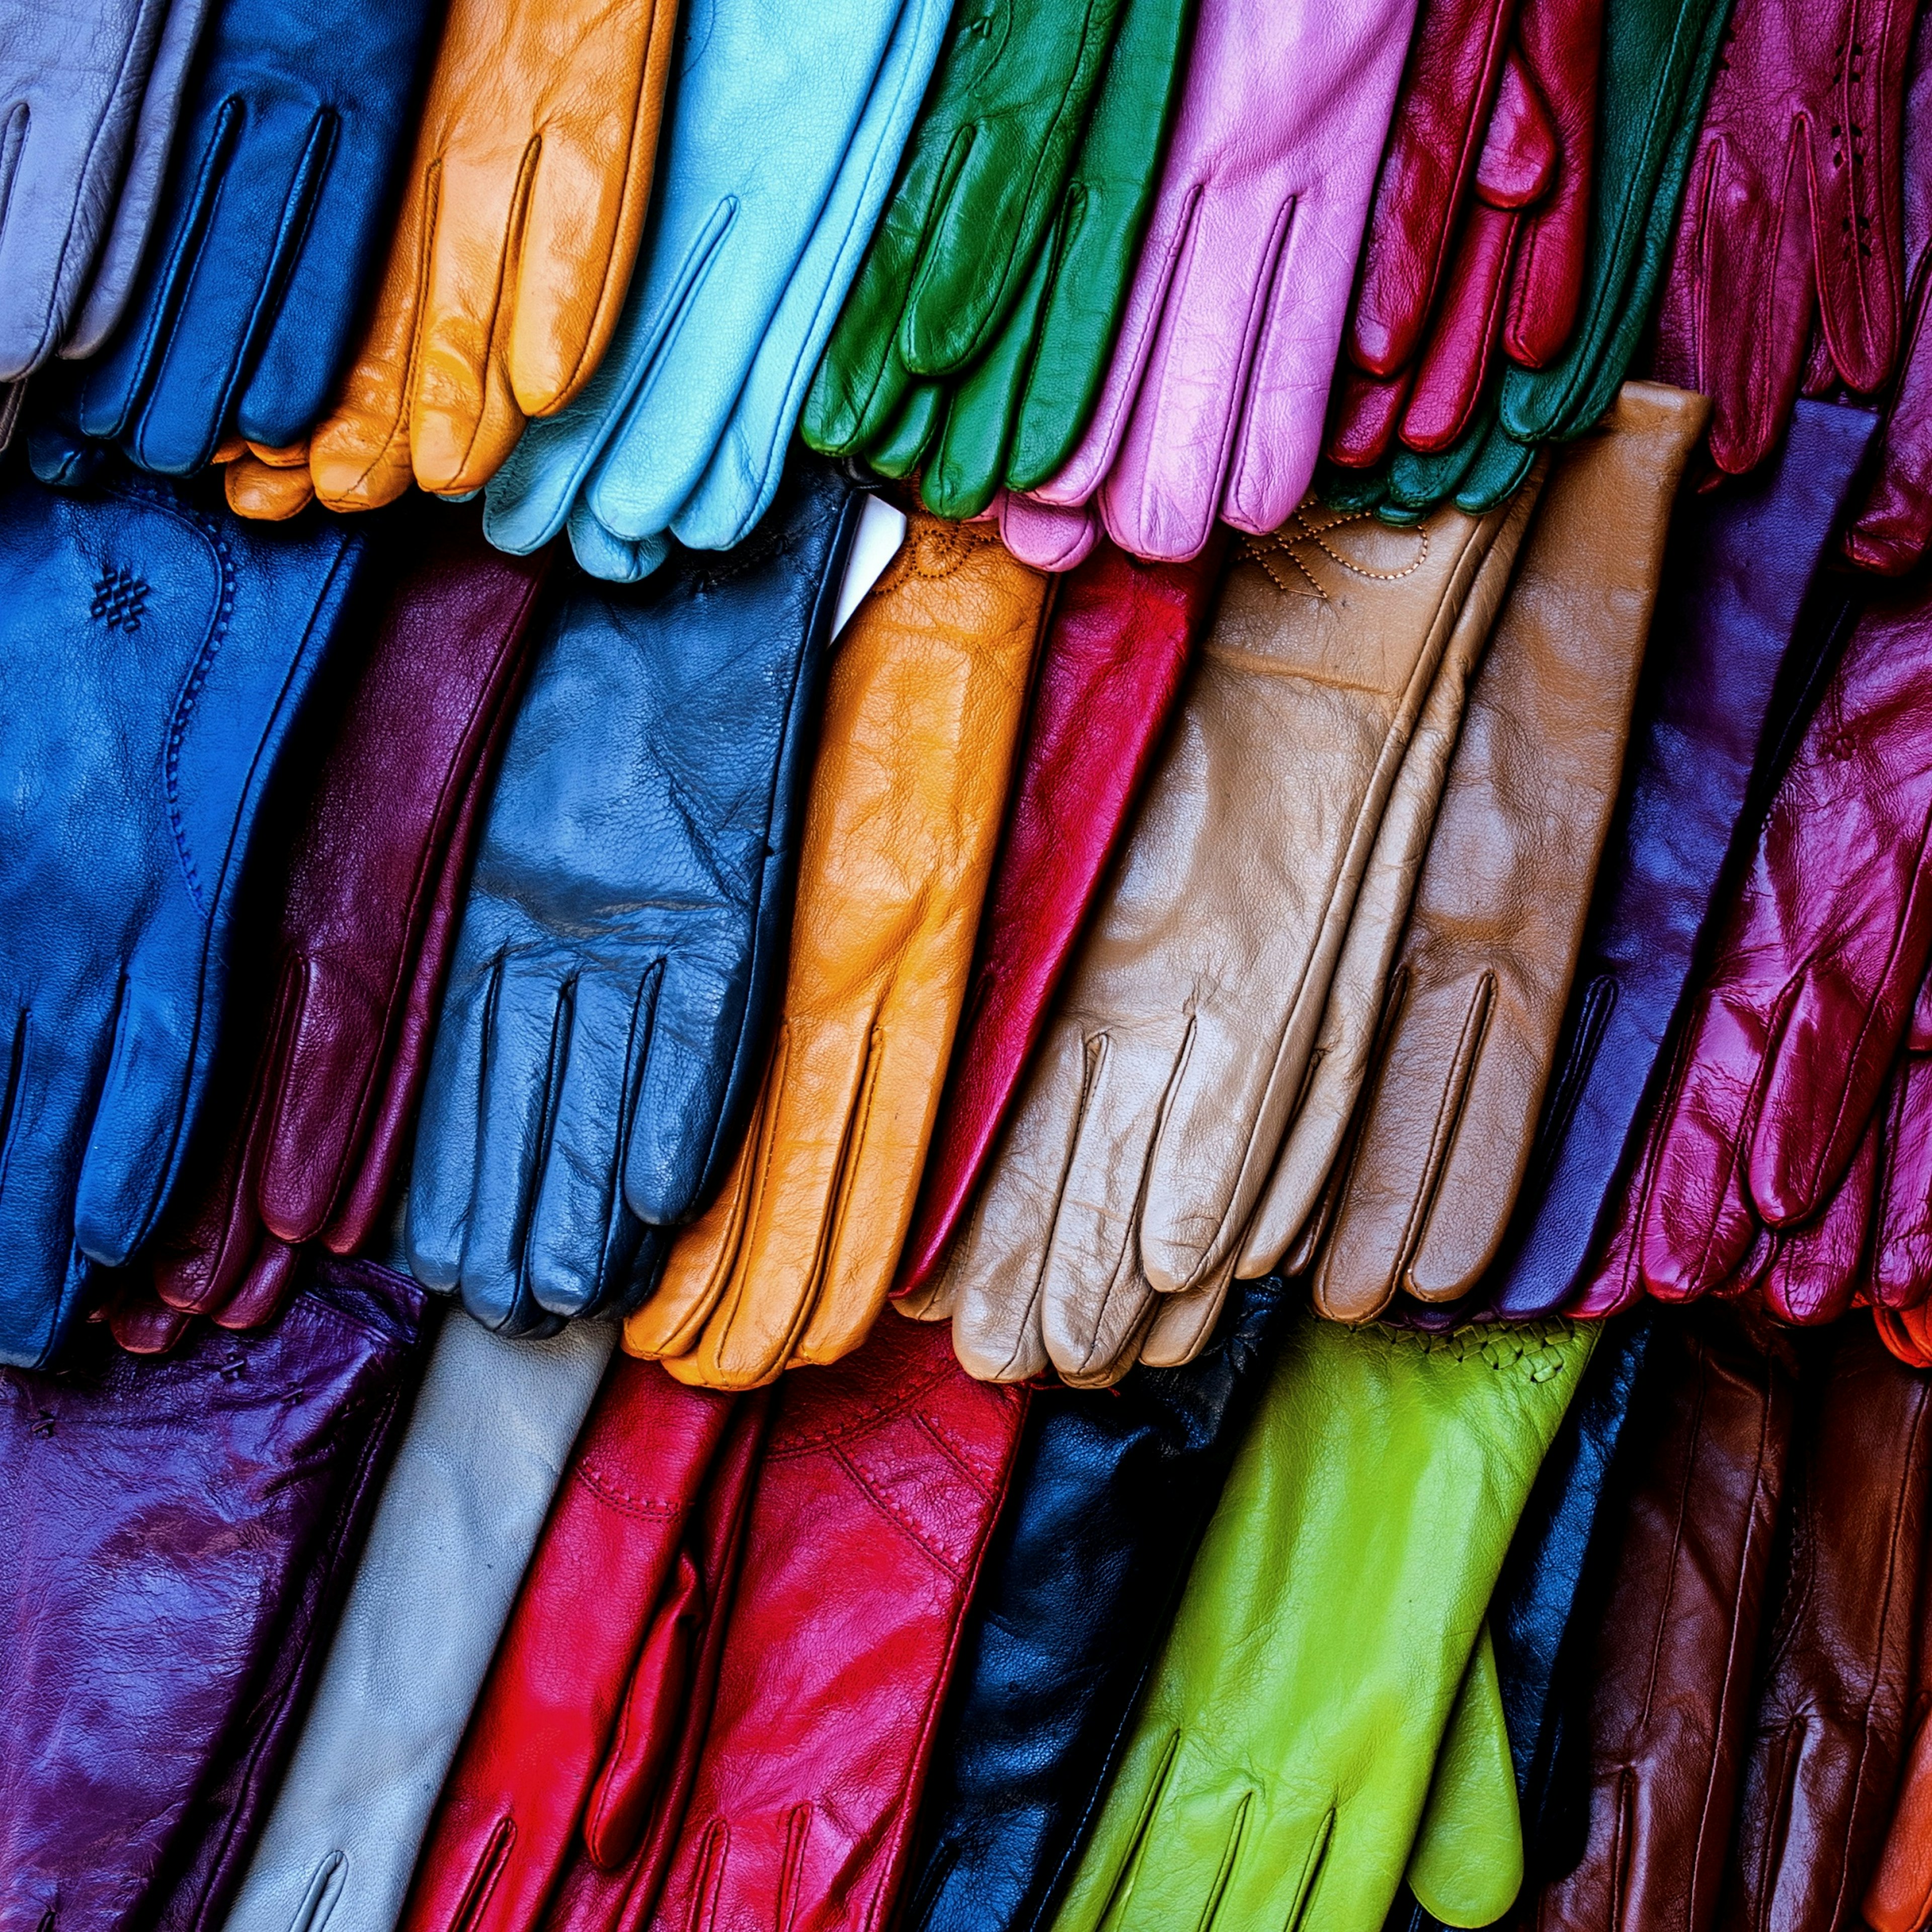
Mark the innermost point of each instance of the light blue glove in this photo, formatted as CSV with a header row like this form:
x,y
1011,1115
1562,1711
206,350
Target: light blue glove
x,y
751,245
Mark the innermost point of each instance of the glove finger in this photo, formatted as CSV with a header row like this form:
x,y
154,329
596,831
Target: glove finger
x,y
908,433
1456,363
1895,525
1899,1897
265,1288
679,1135
1184,1324
613,559
1817,1270
265,493
143,1326
1901,1268
442,1177
1047,536
1215,1858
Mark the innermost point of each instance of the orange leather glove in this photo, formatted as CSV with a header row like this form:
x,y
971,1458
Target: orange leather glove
x,y
797,1256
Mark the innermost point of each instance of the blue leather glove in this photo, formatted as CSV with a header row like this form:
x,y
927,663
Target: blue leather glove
x,y
271,225
604,1025
750,248
153,652
1109,1498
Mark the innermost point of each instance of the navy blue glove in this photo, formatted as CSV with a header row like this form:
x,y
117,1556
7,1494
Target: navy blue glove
x,y
1109,1497
153,653
622,952
271,225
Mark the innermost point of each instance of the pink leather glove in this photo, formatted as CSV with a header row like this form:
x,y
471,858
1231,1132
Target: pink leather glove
x,y
1213,403
1121,635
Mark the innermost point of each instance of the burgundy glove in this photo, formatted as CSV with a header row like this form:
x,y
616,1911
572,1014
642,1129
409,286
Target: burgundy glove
x,y
578,1739
1795,209
172,1535
1121,636
879,1484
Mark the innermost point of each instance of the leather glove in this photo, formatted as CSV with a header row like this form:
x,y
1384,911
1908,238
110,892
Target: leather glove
x,y
1778,185
157,653
175,1531
1898,1897
1110,674
1704,748
796,1257
1109,1500
1212,403
611,992
1828,1735
1478,991
487,1443
616,1586
1673,1655
269,223
1375,1494
1180,1040
879,1485
752,246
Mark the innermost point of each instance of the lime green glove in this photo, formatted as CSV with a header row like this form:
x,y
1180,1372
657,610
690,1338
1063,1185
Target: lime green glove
x,y
1282,1757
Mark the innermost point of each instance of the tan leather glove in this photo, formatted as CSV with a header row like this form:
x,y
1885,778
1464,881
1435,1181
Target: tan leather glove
x,y
796,1257
1484,973
1166,1077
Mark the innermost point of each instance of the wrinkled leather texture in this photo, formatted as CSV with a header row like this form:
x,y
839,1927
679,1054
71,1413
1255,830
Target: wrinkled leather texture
x,y
612,992
1179,1040
1110,674
1799,148
1109,1500
176,1533
1273,1778
878,1490
1478,993
922,717
487,1442
155,652
1727,618
267,232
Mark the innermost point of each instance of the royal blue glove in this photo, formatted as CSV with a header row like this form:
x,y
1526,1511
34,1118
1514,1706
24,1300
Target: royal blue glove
x,y
153,653
270,225
621,952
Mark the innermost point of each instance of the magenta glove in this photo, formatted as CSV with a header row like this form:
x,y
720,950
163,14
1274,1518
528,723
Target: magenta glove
x,y
1213,403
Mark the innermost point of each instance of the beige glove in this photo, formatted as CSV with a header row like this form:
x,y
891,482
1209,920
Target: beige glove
x,y
1178,1049
1484,972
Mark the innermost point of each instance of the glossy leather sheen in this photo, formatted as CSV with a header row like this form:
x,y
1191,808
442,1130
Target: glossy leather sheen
x,y
922,717
878,1488
1898,1894
611,996
155,652
1277,1773
488,1441
1727,619
175,1533
1683,1610
268,231
1760,258
1109,1500
1180,1037
1479,988
521,214
1110,672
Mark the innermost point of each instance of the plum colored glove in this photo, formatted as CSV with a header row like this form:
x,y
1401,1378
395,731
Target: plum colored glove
x,y
488,1441
611,993
1478,991
1213,404
1176,1052
877,1489
1673,1656
1276,1777
175,1531
1799,150
797,1257
275,201
155,654
1122,635
1705,744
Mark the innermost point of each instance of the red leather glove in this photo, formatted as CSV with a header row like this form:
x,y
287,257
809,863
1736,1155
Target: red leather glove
x,y
880,1482
1122,633
583,1743
1828,1734
1794,208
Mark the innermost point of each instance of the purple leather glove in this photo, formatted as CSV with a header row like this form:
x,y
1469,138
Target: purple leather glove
x,y
173,1533
1213,403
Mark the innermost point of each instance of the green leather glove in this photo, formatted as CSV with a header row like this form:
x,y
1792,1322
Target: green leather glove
x,y
1282,1756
